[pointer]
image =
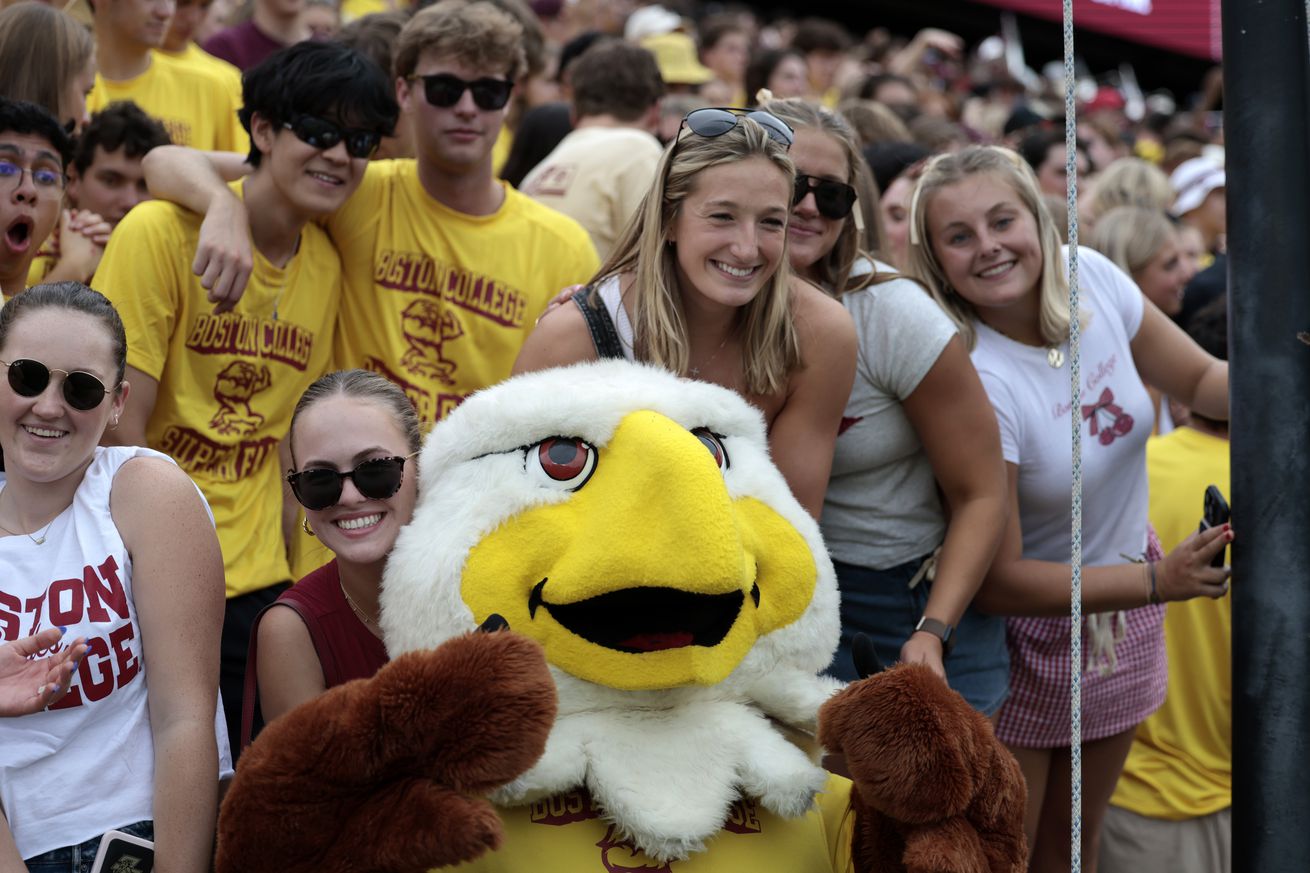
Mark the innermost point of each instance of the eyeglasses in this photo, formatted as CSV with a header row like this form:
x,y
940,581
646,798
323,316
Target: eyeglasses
x,y
833,199
444,90
717,120
82,391
323,134
43,178
320,487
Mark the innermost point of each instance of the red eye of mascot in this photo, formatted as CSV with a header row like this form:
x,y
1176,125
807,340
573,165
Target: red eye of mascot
x,y
655,703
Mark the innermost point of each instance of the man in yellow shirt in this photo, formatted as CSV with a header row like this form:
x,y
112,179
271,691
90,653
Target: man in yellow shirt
x,y
216,391
179,44
1172,808
447,268
195,104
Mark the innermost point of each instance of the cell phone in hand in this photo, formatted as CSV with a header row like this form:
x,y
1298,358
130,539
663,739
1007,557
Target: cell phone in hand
x,y
1215,513
124,853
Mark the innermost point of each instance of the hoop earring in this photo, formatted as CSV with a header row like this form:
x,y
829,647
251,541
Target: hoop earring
x,y
304,525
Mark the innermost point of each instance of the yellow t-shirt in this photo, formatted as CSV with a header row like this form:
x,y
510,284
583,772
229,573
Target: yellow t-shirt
x,y
1181,762
353,9
196,105
194,56
501,148
46,258
438,301
566,834
227,383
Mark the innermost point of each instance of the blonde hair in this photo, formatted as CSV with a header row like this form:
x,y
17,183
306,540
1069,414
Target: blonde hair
x,y
41,51
770,347
1131,236
834,269
1008,167
1131,182
475,33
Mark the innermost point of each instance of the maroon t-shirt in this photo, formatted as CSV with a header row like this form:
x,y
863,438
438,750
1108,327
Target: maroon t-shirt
x,y
242,45
346,648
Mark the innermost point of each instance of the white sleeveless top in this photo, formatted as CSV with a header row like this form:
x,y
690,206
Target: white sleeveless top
x,y
85,765
612,296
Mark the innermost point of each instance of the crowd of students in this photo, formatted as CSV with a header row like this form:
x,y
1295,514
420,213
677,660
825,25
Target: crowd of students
x,y
309,239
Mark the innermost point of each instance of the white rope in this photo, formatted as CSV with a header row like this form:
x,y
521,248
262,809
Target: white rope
x,y
1076,420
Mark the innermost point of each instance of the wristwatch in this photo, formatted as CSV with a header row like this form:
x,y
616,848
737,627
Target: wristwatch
x,y
939,629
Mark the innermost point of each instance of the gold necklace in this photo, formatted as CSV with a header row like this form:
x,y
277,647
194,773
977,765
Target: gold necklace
x,y
39,540
694,371
368,622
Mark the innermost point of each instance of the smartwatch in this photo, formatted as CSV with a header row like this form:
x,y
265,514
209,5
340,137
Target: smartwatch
x,y
939,629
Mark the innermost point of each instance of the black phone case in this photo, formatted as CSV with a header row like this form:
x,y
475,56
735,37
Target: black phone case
x,y
1216,513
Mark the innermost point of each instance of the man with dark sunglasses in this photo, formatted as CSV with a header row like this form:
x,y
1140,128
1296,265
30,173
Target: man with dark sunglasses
x,y
34,149
447,268
216,390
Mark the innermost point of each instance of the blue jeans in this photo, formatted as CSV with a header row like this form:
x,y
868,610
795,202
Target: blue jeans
x,y
880,603
79,858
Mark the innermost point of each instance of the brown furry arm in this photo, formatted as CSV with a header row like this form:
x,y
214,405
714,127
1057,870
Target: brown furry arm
x,y
333,784
934,790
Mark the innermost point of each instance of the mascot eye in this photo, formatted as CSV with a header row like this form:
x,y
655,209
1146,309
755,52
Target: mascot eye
x,y
714,443
568,462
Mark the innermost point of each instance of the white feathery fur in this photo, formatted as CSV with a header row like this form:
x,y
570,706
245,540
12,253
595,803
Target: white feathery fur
x,y
664,765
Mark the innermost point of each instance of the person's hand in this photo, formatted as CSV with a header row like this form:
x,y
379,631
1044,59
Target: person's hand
x,y
943,41
224,254
1186,572
28,685
561,298
924,648
82,239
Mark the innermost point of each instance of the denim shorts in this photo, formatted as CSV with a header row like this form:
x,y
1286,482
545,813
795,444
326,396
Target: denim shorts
x,y
880,603
79,858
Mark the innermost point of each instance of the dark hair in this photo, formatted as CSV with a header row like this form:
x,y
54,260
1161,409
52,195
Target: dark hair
x,y
760,69
820,35
869,87
1208,326
73,296
19,116
121,125
576,48
326,79
375,35
616,78
540,130
888,160
1037,145
716,27
363,385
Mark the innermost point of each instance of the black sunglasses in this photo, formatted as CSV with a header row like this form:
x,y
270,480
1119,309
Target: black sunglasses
x,y
29,378
715,121
833,199
444,90
320,487
323,134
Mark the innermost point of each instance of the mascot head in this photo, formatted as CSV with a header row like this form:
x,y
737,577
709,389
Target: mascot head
x,y
632,523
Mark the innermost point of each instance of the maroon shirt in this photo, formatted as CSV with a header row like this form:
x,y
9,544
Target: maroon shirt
x,y
346,648
242,45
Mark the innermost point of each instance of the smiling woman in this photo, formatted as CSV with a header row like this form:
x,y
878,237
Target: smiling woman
x,y
699,283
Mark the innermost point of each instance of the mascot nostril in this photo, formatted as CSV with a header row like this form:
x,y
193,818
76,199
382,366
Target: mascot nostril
x,y
655,704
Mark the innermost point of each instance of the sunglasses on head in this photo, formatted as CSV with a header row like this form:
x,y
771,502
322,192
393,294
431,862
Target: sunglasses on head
x,y
716,121
444,90
323,134
833,199
320,487
82,391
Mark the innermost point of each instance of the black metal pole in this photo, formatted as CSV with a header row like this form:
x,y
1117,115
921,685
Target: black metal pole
x,y
1266,107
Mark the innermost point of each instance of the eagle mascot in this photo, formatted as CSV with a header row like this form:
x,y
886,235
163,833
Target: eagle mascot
x,y
607,622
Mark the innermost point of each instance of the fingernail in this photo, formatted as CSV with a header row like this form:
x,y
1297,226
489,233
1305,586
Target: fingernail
x,y
1228,527
40,689
494,623
63,629
1229,536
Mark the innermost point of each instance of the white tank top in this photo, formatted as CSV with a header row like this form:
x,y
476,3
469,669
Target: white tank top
x,y
85,765
612,296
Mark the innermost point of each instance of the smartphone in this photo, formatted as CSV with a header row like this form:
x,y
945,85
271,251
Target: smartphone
x,y
123,852
1215,513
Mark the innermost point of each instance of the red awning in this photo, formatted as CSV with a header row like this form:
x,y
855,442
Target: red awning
x,y
1189,27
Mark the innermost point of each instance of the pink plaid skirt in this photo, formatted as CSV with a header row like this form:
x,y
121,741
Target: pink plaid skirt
x,y
1036,713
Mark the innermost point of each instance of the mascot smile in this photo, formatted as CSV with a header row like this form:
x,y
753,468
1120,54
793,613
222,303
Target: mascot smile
x,y
629,527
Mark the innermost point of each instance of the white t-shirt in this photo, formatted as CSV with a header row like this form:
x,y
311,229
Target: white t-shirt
x,y
597,176
882,508
86,764
1032,402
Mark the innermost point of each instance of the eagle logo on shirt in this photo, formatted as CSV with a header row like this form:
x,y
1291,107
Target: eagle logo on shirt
x,y
233,389
427,327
